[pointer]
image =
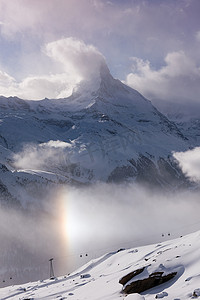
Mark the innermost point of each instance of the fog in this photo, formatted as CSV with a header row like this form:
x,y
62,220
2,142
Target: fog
x,y
79,224
189,162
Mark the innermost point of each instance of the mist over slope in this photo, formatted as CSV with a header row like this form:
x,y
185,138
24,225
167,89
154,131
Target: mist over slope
x,y
92,220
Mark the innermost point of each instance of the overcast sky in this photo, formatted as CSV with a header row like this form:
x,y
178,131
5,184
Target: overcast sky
x,y
152,45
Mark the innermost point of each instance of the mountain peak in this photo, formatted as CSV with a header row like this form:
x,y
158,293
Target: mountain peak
x,y
102,85
94,82
104,71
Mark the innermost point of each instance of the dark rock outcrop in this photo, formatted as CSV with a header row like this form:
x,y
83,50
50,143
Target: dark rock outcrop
x,y
139,286
129,276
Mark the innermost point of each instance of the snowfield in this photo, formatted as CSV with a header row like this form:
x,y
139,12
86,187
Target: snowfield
x,y
99,279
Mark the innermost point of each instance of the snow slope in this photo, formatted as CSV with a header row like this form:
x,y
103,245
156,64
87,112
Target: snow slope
x,y
185,115
99,279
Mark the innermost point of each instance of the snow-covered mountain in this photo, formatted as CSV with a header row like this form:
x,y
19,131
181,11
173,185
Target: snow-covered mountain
x,y
185,115
167,270
104,131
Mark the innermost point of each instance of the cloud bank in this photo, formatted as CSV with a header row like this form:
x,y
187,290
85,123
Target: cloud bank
x,y
94,220
176,81
81,61
75,61
110,216
189,162
43,156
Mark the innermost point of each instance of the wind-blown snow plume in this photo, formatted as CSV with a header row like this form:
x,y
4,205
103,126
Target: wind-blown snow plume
x,y
189,161
81,61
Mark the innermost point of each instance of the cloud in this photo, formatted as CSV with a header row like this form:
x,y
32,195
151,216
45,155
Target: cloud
x,y
37,87
33,234
119,29
93,219
75,61
189,162
177,80
198,36
119,215
80,60
43,156
52,86
6,80
50,19
7,83
141,26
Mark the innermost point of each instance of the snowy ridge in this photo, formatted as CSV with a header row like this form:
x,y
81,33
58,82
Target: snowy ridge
x,y
99,279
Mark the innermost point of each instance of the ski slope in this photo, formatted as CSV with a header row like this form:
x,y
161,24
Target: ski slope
x,y
99,279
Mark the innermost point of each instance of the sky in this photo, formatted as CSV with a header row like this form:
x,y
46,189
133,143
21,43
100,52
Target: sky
x,y
47,46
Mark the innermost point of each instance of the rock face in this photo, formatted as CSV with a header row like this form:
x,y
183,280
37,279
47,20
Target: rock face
x,y
196,293
129,276
141,285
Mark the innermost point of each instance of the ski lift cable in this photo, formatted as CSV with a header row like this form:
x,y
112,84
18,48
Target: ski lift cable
x,y
131,243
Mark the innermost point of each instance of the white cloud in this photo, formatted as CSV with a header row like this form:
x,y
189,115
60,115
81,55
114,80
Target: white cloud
x,y
42,156
37,87
121,216
120,29
7,83
177,80
189,162
99,210
5,79
52,18
80,60
52,86
75,60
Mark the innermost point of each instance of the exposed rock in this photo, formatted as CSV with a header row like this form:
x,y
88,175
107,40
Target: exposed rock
x,y
196,293
161,295
85,276
129,276
139,286
123,172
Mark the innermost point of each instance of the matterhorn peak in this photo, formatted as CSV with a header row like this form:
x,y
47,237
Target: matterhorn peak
x,y
101,85
104,71
94,81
